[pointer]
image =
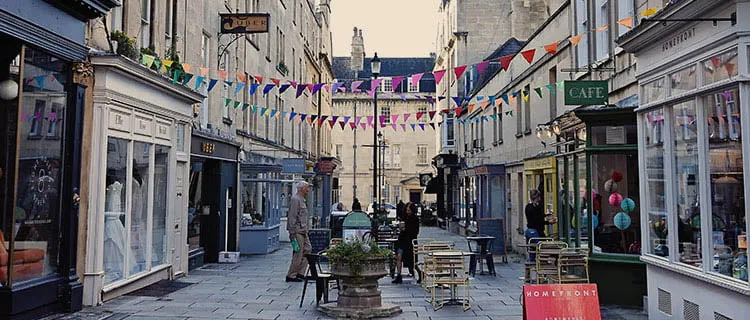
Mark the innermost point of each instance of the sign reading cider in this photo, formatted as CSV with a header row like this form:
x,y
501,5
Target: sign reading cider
x,y
586,92
244,22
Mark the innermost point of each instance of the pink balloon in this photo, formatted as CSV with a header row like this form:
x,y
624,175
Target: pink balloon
x,y
615,199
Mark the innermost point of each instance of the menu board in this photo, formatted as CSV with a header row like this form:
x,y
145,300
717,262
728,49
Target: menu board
x,y
494,227
319,239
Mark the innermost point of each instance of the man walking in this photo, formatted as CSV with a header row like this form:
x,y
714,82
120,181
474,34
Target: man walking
x,y
297,227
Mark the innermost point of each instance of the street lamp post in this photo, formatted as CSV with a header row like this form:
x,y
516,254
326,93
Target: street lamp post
x,y
375,69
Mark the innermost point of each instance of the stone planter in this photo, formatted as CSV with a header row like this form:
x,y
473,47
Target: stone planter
x,y
359,297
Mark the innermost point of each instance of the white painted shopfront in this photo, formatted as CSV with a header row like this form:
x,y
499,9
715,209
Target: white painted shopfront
x,y
137,182
695,164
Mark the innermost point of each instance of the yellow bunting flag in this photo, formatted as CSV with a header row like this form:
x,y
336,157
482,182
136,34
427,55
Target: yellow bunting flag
x,y
576,39
525,96
165,64
148,60
627,22
649,12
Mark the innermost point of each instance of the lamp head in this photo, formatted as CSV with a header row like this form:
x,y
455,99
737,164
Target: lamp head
x,y
375,65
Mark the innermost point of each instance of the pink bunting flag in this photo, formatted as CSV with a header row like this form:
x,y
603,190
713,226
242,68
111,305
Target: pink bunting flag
x,y
459,71
371,93
438,75
482,66
396,82
416,77
357,119
355,85
370,119
406,116
327,88
294,84
393,126
363,125
381,119
352,125
403,127
375,83
394,118
419,115
310,87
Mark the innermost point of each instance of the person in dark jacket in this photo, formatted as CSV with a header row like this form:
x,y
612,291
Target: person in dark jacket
x,y
401,210
404,248
536,219
356,206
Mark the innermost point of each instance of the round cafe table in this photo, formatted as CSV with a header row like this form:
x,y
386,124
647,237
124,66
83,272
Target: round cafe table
x,y
483,242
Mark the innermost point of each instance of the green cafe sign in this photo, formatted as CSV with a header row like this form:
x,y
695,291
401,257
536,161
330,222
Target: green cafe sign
x,y
586,92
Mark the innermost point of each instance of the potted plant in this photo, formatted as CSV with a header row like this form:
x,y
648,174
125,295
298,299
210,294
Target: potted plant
x,y
359,264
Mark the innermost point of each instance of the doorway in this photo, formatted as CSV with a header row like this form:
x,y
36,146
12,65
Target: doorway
x,y
415,196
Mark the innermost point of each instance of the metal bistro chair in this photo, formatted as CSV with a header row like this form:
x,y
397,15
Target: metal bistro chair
x,y
547,253
426,271
451,274
385,239
480,256
572,266
321,278
416,252
530,263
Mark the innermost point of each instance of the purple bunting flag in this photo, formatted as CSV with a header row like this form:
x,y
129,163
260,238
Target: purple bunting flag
x,y
396,82
300,90
403,127
346,119
394,118
406,116
374,83
355,85
268,88
283,87
316,87
482,66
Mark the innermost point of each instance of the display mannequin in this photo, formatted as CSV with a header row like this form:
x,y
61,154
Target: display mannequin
x,y
114,233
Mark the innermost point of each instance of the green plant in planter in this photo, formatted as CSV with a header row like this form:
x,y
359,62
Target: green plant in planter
x,y
357,252
125,45
176,65
151,51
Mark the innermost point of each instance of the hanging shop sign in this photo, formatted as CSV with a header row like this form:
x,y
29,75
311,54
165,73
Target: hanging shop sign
x,y
589,92
244,22
325,166
424,178
561,301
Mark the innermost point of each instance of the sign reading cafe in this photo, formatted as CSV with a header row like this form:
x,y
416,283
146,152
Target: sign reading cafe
x,y
586,92
245,23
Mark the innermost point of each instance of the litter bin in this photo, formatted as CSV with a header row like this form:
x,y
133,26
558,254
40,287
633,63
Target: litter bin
x,y
356,224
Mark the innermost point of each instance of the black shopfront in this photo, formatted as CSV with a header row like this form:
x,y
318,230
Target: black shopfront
x,y
40,44
212,208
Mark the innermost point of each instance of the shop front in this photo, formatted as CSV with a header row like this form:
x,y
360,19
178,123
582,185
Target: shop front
x,y
43,101
212,209
327,170
264,194
483,195
541,174
694,90
138,163
446,187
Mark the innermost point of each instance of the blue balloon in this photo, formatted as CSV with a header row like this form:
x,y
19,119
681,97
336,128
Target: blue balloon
x,y
622,220
627,205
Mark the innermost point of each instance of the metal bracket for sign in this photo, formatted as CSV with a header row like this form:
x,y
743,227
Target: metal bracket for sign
x,y
223,48
732,19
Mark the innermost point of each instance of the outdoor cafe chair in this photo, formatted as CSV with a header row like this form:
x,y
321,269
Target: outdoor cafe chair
x,y
530,263
449,274
321,278
547,253
572,266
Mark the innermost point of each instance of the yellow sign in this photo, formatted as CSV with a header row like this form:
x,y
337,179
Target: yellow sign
x,y
539,163
208,147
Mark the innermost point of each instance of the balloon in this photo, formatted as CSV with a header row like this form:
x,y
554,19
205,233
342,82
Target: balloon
x,y
610,186
615,199
616,176
627,205
622,220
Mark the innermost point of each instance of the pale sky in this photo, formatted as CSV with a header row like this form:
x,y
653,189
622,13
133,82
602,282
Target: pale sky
x,y
392,28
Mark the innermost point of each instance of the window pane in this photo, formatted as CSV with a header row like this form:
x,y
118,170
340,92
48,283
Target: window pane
x,y
139,208
654,166
683,80
613,135
728,217
614,178
37,211
654,91
114,210
720,67
687,183
159,222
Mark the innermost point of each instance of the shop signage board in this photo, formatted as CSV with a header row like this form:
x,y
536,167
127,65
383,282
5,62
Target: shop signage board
x,y
325,166
588,92
561,301
293,165
244,22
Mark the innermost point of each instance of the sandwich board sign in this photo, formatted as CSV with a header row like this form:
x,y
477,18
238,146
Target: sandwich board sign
x,y
561,302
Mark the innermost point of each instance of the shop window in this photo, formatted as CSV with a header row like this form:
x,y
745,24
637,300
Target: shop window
x,y
720,67
615,178
687,184
653,148
159,219
139,208
34,225
115,242
613,135
602,37
653,91
683,81
728,217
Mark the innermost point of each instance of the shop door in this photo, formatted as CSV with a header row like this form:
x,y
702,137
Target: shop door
x,y
179,236
415,196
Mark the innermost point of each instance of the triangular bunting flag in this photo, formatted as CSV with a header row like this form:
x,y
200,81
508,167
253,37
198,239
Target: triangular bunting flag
x,y
421,126
402,96
416,77
236,104
551,88
406,116
561,86
494,117
551,48
396,82
458,100
254,109
355,85
413,126
505,98
432,124
229,83
241,77
393,126
538,92
316,87
300,90
223,74
419,115
482,66
187,67
294,84
263,111
240,85
492,100
438,75
394,118
292,115
283,87
509,113
627,22
505,61
275,81
273,113
370,119
327,88
253,88
334,118
374,83
381,119
258,78
309,87
147,60
283,114
363,125
204,71
331,123
211,84
313,117
403,127
432,114
302,116
347,118
730,67
602,28
576,39
357,119
529,55
430,100
342,124
335,87
352,125
471,108
649,12
244,106
188,77
267,88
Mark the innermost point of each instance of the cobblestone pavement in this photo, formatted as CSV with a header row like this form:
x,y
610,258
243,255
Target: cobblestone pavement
x,y
255,289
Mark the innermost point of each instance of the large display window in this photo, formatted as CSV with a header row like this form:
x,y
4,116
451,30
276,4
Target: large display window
x,y
655,202
33,156
135,237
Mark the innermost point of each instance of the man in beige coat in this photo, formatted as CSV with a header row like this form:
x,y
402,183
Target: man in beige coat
x,y
297,226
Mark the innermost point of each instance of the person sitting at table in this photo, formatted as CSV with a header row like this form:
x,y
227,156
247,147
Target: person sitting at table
x,y
536,220
404,247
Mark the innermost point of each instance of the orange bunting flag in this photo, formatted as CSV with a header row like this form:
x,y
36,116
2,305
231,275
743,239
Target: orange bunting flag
x,y
241,77
602,28
551,48
627,22
576,39
204,71
529,55
471,108
186,67
223,74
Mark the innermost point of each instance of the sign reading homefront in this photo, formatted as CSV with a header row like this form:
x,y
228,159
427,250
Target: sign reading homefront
x,y
589,92
679,38
561,302
244,22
